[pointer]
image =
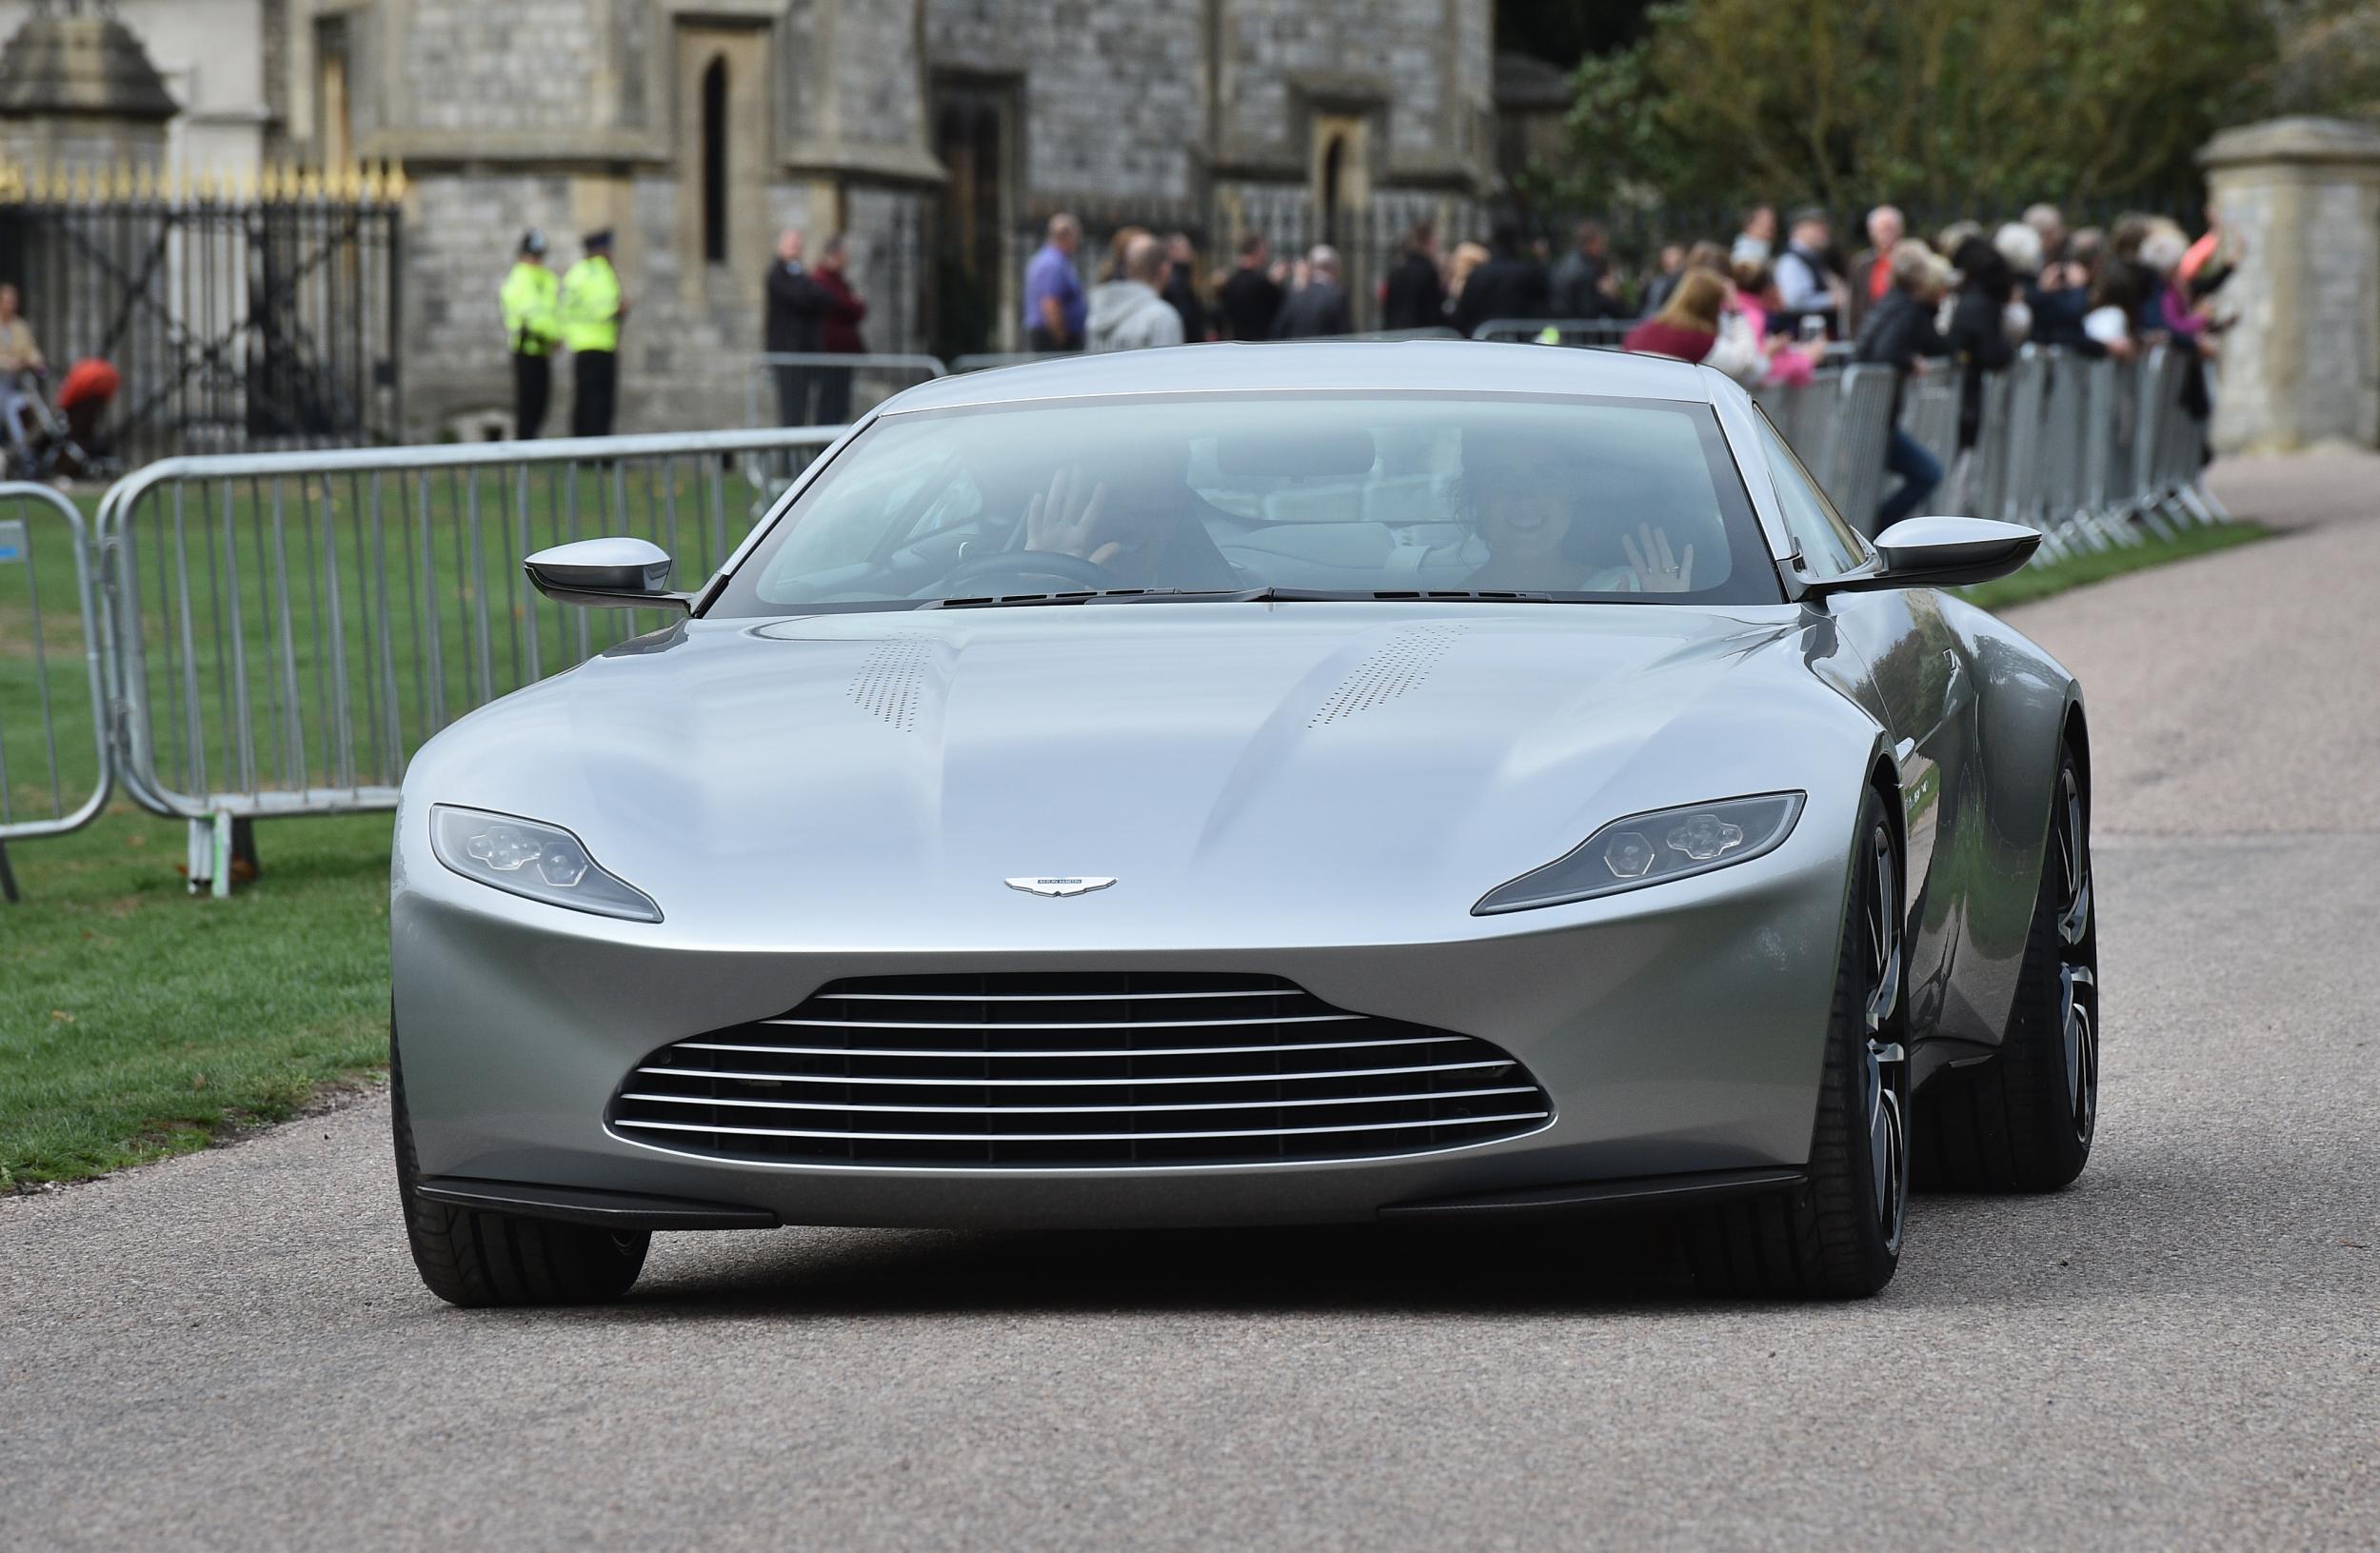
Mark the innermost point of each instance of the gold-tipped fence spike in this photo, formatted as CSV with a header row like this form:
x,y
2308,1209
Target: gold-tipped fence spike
x,y
394,172
145,185
122,192
314,184
290,181
372,187
81,186
351,184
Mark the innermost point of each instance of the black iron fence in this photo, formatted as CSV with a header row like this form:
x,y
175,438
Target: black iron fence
x,y
238,320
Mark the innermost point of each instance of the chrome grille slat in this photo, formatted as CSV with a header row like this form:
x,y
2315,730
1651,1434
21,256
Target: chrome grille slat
x,y
1253,1078
967,1053
1082,1024
1057,997
1053,1082
1065,1137
1085,1110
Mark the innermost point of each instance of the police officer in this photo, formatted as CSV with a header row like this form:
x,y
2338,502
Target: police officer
x,y
591,310
531,301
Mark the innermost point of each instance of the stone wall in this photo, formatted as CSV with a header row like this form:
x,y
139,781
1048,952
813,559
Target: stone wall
x,y
684,363
464,68
592,128
2300,200
1115,92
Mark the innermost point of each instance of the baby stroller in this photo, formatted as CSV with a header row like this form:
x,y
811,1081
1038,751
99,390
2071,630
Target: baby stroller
x,y
63,442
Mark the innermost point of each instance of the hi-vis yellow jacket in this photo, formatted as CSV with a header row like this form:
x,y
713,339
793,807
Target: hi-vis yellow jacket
x,y
590,305
531,301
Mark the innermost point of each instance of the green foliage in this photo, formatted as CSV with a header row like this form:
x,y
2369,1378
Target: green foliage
x,y
2329,58
1993,103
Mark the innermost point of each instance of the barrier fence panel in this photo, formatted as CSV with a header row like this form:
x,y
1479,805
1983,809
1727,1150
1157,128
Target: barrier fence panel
x,y
1930,413
287,628
820,387
55,768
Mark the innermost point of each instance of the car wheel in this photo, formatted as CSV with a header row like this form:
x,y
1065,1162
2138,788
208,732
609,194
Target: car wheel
x,y
2024,1121
469,1257
1838,1235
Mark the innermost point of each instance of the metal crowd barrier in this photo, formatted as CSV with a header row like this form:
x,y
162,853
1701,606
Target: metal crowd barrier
x,y
285,629
51,691
872,380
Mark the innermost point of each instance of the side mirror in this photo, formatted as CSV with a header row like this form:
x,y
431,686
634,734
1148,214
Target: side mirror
x,y
607,573
1942,553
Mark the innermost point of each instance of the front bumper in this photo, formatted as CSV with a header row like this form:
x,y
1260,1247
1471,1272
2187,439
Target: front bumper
x,y
1678,1030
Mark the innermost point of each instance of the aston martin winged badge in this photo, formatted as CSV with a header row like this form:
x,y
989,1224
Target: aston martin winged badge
x,y
1067,886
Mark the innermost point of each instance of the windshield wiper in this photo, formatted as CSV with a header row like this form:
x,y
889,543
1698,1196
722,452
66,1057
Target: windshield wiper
x,y
1238,595
1088,595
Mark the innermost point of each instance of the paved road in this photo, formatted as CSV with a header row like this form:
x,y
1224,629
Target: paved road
x,y
231,1350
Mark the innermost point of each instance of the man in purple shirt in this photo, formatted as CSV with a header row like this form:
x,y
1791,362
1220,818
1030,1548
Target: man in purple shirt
x,y
1054,303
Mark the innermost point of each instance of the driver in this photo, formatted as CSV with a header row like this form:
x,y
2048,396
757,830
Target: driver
x,y
1526,501
1133,515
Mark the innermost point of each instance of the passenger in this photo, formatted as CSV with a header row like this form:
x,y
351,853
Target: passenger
x,y
1525,506
1136,518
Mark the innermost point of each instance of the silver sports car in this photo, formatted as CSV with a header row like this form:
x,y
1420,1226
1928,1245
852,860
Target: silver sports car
x,y
1259,783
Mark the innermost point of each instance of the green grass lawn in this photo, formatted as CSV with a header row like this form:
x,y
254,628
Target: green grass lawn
x,y
2098,565
136,1020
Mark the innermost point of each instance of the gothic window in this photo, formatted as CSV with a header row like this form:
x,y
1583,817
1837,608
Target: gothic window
x,y
715,161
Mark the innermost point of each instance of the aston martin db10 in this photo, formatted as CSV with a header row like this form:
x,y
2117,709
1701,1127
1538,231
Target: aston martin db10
x,y
1259,784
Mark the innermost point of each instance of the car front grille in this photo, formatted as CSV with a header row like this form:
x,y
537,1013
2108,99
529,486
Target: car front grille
x,y
1075,1068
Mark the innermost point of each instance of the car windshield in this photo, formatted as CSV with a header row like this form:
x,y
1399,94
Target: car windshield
x,y
1324,495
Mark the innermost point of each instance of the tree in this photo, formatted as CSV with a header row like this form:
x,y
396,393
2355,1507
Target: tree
x,y
1987,103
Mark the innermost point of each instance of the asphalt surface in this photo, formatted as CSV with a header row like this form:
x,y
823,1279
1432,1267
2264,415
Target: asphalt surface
x,y
231,1350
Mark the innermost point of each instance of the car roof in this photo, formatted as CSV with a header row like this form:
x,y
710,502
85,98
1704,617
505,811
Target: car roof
x,y
1446,366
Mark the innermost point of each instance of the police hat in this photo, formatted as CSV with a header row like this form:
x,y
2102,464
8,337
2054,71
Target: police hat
x,y
533,241
600,239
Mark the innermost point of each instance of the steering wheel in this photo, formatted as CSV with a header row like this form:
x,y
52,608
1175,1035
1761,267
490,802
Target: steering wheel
x,y
1022,564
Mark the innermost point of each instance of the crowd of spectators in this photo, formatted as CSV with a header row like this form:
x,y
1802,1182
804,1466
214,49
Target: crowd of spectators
x,y
1768,307
1963,302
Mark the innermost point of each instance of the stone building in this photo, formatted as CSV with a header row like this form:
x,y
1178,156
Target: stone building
x,y
208,55
938,134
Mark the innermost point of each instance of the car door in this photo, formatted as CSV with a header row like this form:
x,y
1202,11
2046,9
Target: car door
x,y
1918,683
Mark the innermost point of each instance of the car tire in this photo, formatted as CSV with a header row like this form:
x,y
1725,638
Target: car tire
x,y
472,1258
2024,1121
1838,1234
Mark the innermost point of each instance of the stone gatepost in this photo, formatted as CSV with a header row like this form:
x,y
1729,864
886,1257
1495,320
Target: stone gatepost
x,y
2301,199
78,92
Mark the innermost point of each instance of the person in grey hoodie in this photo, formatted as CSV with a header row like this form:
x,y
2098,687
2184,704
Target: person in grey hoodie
x,y
1127,313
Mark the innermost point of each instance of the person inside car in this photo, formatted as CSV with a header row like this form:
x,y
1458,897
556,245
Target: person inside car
x,y
1525,504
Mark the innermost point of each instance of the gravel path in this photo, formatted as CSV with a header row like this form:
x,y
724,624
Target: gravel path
x,y
233,1351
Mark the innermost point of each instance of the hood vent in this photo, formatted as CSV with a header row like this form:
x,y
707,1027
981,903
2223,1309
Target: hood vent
x,y
891,679
1395,666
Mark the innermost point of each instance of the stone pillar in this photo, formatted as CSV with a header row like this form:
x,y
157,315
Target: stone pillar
x,y
2301,197
78,92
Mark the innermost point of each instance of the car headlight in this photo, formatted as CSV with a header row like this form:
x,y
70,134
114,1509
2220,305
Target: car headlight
x,y
1653,849
542,862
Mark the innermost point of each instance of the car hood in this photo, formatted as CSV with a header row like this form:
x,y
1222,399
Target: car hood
x,y
848,777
